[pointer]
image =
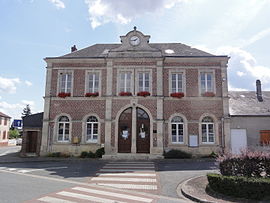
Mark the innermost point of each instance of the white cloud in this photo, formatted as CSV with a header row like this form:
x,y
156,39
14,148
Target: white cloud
x,y
9,84
260,35
124,11
243,64
231,88
28,83
31,103
15,110
58,3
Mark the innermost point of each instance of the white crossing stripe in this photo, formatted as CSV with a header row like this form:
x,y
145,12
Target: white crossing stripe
x,y
123,170
23,171
147,180
54,200
127,174
125,196
129,167
130,186
12,169
88,197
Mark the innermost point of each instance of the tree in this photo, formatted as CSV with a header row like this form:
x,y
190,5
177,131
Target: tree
x,y
13,134
26,111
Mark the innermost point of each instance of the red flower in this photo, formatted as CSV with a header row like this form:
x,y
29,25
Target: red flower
x,y
143,93
178,94
64,94
208,94
93,94
125,94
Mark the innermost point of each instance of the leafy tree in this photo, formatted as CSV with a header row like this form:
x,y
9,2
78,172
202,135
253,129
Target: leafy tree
x,y
26,111
13,134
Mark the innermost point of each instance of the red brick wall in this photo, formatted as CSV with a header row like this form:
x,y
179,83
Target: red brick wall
x,y
54,82
150,104
192,89
77,109
104,82
218,82
79,83
166,82
117,104
154,81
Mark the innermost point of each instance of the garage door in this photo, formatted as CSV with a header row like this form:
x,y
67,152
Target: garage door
x,y
238,140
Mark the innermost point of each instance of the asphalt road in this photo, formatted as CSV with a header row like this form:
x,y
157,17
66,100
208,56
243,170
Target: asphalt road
x,y
30,180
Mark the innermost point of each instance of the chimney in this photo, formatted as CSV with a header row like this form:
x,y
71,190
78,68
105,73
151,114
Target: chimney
x,y
74,48
259,90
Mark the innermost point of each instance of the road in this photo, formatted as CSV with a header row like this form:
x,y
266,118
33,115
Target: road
x,y
96,180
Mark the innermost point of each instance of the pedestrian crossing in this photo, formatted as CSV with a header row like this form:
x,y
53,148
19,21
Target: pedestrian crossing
x,y
114,186
18,170
139,176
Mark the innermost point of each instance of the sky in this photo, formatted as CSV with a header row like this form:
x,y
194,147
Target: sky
x,y
31,30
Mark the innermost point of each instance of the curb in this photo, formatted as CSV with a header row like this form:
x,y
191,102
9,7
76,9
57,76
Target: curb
x,y
189,196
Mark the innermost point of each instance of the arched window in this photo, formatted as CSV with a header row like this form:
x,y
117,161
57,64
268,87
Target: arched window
x,y
63,129
92,129
208,135
177,129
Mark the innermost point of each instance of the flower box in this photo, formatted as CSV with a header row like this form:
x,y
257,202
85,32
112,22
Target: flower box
x,y
125,94
178,94
143,94
208,94
64,94
92,94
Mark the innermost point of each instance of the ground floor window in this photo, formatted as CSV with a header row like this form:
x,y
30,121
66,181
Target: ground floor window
x,y
177,129
63,129
208,135
92,129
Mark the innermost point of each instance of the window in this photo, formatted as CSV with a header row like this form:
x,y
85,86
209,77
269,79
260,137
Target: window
x,y
92,129
207,82
144,82
177,82
125,82
0,120
177,130
65,82
63,129
93,84
5,122
208,135
4,135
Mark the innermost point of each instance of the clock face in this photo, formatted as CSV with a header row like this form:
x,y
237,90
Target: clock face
x,y
134,40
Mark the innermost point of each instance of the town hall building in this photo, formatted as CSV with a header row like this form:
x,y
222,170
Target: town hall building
x,y
136,98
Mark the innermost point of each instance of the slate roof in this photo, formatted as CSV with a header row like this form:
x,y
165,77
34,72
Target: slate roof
x,y
4,115
101,50
245,103
34,120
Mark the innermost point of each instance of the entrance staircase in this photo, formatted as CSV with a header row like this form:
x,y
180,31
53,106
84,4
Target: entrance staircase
x,y
130,156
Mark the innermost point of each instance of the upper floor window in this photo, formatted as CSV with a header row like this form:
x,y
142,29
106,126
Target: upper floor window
x,y
63,129
207,82
65,82
5,122
92,129
177,127
4,135
177,82
208,135
93,82
144,82
125,82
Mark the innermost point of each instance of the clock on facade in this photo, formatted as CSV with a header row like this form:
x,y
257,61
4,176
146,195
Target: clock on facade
x,y
134,40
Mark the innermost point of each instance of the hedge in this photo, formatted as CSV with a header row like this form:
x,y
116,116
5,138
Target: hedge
x,y
176,154
241,187
98,154
248,164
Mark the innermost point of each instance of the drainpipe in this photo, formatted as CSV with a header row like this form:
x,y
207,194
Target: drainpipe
x,y
222,134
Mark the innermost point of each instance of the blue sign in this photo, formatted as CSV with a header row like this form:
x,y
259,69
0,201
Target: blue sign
x,y
17,123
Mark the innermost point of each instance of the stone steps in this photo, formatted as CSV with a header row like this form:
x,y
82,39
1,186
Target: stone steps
x,y
129,156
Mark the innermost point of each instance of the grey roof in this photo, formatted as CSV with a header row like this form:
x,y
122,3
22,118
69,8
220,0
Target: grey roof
x,y
4,115
33,121
101,50
245,103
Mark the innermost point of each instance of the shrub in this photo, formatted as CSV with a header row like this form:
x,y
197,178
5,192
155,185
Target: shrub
x,y
177,154
249,188
91,155
100,152
248,163
58,154
211,155
84,154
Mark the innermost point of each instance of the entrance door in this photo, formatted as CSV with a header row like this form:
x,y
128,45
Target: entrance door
x,y
143,131
238,140
124,131
31,142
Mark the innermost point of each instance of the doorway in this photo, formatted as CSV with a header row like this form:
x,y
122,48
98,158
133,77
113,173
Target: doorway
x,y
31,142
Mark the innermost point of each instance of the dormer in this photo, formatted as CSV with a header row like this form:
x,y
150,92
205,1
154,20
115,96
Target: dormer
x,y
135,44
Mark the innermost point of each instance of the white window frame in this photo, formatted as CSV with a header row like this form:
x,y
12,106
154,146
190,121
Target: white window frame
x,y
177,128
213,82
143,81
87,88
60,74
143,70
207,131
91,140
177,88
64,129
119,72
177,71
